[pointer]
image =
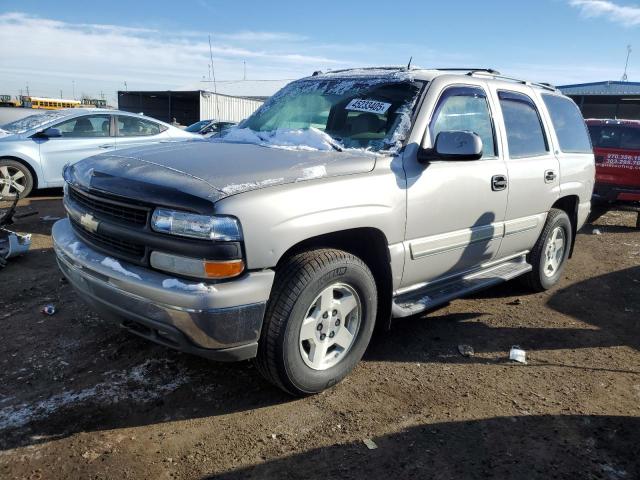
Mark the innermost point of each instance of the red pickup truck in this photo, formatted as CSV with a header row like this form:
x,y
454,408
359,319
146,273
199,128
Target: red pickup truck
x,y
616,145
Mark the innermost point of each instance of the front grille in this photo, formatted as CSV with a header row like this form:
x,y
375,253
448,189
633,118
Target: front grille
x,y
111,244
110,208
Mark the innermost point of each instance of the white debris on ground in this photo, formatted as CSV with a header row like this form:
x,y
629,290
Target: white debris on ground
x,y
191,287
308,139
241,187
115,266
516,354
139,384
371,445
596,231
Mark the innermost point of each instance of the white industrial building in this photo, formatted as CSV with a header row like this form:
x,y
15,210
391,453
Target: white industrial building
x,y
188,107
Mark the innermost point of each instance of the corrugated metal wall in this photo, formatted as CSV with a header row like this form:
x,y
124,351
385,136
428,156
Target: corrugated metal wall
x,y
231,109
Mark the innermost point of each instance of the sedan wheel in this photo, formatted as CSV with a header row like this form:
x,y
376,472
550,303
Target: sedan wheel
x,y
15,179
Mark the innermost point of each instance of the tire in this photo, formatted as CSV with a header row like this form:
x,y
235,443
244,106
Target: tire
x,y
542,277
304,285
19,175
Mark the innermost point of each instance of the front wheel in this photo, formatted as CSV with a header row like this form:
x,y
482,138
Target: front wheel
x,y
549,255
318,322
15,179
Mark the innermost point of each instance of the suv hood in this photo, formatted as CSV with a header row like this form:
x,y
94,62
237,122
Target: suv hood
x,y
208,170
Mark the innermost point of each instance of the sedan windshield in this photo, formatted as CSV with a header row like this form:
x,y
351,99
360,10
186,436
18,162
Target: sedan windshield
x,y
196,127
371,113
34,121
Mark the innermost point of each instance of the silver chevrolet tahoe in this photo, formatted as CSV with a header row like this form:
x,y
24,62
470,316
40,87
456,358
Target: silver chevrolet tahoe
x,y
350,198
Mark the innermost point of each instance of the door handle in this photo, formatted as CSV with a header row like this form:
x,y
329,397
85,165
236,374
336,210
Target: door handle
x,y
498,182
549,176
107,145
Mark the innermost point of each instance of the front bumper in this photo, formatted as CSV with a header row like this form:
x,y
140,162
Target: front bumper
x,y
221,321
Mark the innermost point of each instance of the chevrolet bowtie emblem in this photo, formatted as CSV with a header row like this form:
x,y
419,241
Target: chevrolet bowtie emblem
x,y
88,222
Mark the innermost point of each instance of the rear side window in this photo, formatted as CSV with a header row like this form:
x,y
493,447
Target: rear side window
x,y
137,127
525,134
568,124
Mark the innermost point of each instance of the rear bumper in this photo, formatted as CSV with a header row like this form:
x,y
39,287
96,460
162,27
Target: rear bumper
x,y
221,321
610,193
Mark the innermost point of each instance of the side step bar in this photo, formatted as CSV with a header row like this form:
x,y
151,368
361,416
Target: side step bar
x,y
430,296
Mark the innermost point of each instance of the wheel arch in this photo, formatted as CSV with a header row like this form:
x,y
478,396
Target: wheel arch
x,y
27,164
569,204
371,246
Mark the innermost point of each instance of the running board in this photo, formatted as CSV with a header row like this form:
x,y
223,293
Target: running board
x,y
430,296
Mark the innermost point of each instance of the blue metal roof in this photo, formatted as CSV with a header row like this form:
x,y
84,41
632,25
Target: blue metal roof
x,y
602,88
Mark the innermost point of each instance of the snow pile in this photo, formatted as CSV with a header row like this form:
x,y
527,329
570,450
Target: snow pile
x,y
143,383
309,139
115,266
189,287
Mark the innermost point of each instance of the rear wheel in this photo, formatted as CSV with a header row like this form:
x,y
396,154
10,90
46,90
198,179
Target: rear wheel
x,y
550,253
319,321
15,179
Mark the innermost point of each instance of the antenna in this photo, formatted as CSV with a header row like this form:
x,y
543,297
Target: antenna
x,y
409,64
626,65
213,74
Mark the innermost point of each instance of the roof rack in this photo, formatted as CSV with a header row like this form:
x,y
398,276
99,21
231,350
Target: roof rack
x,y
546,86
470,70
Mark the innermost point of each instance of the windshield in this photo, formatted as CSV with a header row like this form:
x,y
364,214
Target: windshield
x,y
196,127
371,113
33,121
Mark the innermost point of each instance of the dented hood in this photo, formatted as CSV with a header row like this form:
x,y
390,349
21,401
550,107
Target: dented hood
x,y
209,170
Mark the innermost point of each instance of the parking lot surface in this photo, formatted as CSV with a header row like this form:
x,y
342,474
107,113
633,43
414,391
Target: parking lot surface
x,y
82,398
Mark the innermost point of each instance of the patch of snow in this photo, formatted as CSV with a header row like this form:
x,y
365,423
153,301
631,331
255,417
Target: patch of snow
x,y
317,171
115,266
142,383
190,287
309,139
242,187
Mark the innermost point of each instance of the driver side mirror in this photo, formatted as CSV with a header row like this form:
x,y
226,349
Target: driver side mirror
x,y
454,145
50,133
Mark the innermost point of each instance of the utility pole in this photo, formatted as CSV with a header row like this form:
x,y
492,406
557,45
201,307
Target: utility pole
x,y
626,65
244,75
73,85
125,86
28,90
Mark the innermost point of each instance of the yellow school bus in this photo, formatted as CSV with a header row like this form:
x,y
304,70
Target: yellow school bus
x,y
48,103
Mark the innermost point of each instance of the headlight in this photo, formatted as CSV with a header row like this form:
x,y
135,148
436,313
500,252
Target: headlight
x,y
196,226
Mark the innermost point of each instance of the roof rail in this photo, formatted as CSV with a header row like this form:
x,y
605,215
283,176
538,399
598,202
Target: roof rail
x,y
470,70
546,86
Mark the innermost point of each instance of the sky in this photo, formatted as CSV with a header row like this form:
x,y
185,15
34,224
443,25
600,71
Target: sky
x,y
69,48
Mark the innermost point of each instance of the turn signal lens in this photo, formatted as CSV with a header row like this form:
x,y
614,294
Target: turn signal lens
x,y
223,269
195,267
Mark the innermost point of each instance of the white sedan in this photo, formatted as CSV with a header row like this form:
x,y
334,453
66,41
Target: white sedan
x,y
34,149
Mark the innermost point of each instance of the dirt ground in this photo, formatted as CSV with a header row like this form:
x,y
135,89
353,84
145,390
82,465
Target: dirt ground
x,y
81,398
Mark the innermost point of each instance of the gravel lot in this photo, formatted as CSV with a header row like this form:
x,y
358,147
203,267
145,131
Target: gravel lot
x,y
81,398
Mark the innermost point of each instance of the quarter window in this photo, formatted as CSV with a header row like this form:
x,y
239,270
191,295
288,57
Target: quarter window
x,y
86,126
137,127
525,134
568,124
465,109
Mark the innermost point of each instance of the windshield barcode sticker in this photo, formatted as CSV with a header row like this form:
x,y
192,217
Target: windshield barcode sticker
x,y
371,106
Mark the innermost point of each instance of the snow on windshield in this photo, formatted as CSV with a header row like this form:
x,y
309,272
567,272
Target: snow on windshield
x,y
367,110
34,121
302,139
